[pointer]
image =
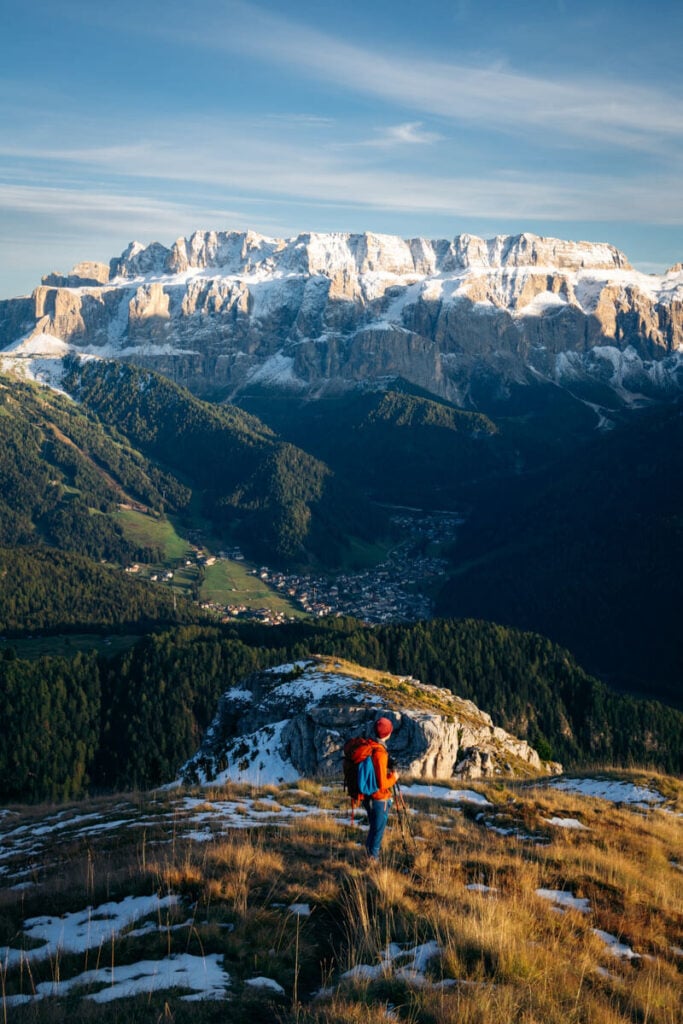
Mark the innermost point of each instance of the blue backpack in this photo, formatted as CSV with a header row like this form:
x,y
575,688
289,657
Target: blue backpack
x,y
367,779
360,778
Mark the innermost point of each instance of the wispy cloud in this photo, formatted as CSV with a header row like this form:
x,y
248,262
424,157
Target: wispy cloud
x,y
410,133
598,109
297,120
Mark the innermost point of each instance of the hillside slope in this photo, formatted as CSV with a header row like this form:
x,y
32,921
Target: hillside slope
x,y
589,553
543,903
63,474
397,445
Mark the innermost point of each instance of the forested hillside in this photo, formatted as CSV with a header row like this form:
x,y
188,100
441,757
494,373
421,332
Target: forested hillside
x,y
407,446
280,502
45,589
62,475
589,553
397,446
51,727
133,718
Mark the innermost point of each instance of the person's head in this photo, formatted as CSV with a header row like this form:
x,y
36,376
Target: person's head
x,y
383,728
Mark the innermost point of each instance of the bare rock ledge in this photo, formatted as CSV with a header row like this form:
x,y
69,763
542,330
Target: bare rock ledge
x,y
292,722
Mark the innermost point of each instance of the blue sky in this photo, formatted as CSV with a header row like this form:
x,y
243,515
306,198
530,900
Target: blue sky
x,y
146,120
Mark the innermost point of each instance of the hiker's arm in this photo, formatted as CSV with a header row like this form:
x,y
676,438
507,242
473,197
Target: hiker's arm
x,y
385,778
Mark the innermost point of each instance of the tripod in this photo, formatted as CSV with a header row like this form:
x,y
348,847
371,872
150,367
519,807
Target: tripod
x,y
404,821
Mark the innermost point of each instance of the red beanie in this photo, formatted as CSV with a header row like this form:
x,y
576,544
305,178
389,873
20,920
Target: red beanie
x,y
383,728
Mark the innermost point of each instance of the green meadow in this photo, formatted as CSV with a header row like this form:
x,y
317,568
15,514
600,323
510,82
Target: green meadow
x,y
229,582
148,530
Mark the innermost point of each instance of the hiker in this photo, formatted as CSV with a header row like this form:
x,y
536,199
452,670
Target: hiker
x,y
378,802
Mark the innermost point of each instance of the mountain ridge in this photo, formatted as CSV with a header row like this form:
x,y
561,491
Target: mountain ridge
x,y
462,318
290,722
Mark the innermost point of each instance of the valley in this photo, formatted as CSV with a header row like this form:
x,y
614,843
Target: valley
x,y
400,588
399,585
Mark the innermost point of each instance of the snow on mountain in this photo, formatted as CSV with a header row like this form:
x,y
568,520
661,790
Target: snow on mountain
x,y
329,310
237,253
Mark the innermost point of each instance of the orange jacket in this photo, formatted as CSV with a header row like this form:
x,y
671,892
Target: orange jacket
x,y
385,778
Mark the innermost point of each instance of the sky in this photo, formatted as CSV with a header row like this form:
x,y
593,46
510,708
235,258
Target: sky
x,y
147,120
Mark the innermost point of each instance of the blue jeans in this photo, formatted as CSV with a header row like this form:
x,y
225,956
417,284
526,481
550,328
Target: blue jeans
x,y
378,816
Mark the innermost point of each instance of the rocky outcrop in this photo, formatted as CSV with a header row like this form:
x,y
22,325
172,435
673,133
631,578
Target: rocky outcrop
x,y
337,309
81,275
292,721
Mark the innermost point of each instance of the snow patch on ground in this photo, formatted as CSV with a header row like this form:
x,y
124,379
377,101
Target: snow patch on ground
x,y
458,796
615,947
406,964
567,823
511,830
616,791
204,976
269,984
83,929
565,900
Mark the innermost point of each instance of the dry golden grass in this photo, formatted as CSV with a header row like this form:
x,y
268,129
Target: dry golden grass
x,y
505,954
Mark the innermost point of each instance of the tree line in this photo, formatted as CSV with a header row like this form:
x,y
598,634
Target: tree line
x,y
132,719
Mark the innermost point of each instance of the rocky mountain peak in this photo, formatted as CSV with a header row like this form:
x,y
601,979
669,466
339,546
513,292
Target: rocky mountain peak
x,y
236,252
292,721
87,273
137,260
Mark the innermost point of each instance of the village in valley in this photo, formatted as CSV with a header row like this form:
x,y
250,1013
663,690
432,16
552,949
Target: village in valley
x,y
399,589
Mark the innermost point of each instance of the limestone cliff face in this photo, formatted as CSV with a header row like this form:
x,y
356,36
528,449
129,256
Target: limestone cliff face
x,y
226,309
298,717
86,273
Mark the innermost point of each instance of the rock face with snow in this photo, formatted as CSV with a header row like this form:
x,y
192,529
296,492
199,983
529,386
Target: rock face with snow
x,y
230,309
292,721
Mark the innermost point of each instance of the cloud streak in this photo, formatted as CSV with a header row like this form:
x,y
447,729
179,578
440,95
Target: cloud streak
x,y
597,110
594,110
287,172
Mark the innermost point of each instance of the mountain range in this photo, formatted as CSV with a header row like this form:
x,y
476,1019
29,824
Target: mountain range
x,y
464,319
